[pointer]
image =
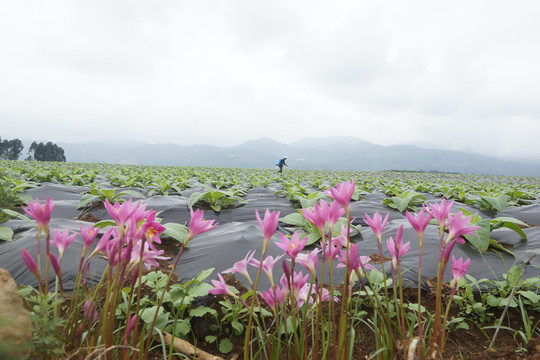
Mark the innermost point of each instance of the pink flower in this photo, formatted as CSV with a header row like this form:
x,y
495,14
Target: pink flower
x,y
29,262
152,228
89,310
459,268
356,262
129,328
317,216
56,265
268,226
457,226
220,287
334,246
149,257
304,296
198,225
88,235
448,249
309,260
396,248
241,266
267,265
323,213
440,212
272,300
342,193
120,212
376,224
293,246
40,213
334,213
106,240
298,280
419,222
62,240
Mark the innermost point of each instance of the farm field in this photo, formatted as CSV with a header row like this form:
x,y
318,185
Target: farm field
x,y
493,225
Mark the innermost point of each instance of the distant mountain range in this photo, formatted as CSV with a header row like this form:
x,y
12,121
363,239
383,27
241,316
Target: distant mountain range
x,y
329,153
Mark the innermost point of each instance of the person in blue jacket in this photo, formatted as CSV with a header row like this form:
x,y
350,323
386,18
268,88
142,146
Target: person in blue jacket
x,y
280,163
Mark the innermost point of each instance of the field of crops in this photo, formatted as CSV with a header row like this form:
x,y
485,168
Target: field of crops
x,y
157,258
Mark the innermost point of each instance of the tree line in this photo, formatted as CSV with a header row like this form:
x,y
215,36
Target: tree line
x,y
12,150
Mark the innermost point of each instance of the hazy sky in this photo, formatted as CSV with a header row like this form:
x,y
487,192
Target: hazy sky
x,y
462,75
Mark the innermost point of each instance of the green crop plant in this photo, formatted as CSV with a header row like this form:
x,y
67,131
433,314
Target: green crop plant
x,y
483,241
408,200
217,199
97,193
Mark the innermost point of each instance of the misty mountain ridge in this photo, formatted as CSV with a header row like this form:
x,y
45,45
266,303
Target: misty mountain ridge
x,y
327,153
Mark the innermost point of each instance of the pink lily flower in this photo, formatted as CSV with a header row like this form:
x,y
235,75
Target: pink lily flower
x,y
152,228
120,212
376,224
334,213
342,193
56,265
267,265
62,240
198,225
317,216
396,248
420,221
356,262
272,300
457,226
220,287
106,240
303,295
293,246
29,262
88,235
440,212
40,213
309,260
89,310
268,226
448,249
459,268
298,280
140,213
333,247
241,266
149,258
129,328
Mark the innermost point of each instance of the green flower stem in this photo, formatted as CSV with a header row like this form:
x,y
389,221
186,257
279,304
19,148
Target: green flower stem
x,y
47,245
386,317
343,333
437,319
250,320
144,355
403,333
419,298
320,289
442,339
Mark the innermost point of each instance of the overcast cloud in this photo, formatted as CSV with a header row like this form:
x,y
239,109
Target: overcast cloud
x,y
460,75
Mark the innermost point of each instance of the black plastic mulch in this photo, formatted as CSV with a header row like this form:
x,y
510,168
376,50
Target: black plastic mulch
x,y
238,232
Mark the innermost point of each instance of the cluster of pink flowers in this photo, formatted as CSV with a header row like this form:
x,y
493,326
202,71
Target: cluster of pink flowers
x,y
133,237
324,216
